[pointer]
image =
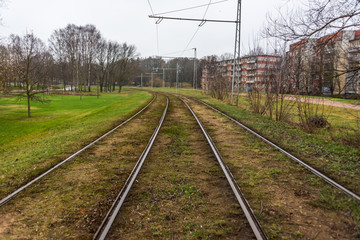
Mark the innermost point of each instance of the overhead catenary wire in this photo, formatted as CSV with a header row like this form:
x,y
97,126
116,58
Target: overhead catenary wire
x,y
177,52
197,30
152,10
157,29
190,8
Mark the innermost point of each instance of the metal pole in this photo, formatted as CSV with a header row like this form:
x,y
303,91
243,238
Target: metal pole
x,y
236,50
239,57
177,77
163,77
194,80
152,80
141,80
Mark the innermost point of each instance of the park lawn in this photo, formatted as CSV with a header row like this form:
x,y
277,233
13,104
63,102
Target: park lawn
x,y
334,151
29,146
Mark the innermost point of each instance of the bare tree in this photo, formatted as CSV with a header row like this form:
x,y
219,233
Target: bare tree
x,y
326,25
30,53
214,82
125,65
4,68
316,19
92,39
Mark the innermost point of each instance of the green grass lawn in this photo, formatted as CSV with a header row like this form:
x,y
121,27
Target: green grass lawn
x,y
56,129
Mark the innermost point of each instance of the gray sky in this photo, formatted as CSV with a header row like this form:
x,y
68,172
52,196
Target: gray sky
x,y
127,21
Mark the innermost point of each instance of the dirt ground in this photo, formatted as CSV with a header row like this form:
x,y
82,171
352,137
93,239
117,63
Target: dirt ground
x,y
324,101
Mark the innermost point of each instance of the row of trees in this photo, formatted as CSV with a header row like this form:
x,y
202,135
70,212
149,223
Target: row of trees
x,y
76,58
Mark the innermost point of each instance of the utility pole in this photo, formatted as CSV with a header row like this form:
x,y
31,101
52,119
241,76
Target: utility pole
x,y
177,77
152,79
163,77
195,72
237,55
164,73
202,22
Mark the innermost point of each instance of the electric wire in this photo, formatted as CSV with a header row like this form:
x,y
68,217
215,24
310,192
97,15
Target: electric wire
x,y
189,8
171,53
197,30
157,28
152,11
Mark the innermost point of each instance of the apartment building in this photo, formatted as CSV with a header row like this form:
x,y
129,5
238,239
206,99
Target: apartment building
x,y
353,74
321,66
254,71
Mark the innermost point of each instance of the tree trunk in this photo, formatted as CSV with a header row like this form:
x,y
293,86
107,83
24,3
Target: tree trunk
x,y
28,100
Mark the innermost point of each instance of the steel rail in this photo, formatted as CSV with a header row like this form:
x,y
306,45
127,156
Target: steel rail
x,y
313,170
249,213
110,217
16,192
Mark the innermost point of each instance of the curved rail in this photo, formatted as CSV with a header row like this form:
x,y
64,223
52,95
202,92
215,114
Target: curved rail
x,y
313,170
249,213
109,219
16,192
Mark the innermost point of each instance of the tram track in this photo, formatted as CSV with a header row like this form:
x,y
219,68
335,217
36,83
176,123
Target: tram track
x,y
245,206
291,156
109,219
275,186
77,195
180,174
22,188
177,183
253,222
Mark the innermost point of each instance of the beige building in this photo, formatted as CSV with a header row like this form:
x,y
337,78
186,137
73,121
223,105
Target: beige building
x,y
325,65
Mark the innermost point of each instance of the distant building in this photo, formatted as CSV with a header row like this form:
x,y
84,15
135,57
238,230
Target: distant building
x,y
324,65
255,71
353,74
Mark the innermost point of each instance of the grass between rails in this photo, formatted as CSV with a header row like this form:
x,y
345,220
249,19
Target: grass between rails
x,y
323,149
290,202
28,146
71,202
180,192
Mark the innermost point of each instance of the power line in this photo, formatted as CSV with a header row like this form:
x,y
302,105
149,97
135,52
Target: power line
x,y
189,8
157,28
201,20
152,11
198,28
207,9
171,53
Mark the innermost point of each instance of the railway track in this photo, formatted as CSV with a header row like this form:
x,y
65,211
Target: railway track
x,y
245,206
106,225
22,188
297,160
109,219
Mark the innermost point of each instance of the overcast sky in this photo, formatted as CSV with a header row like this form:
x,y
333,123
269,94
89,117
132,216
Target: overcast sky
x,y
127,21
